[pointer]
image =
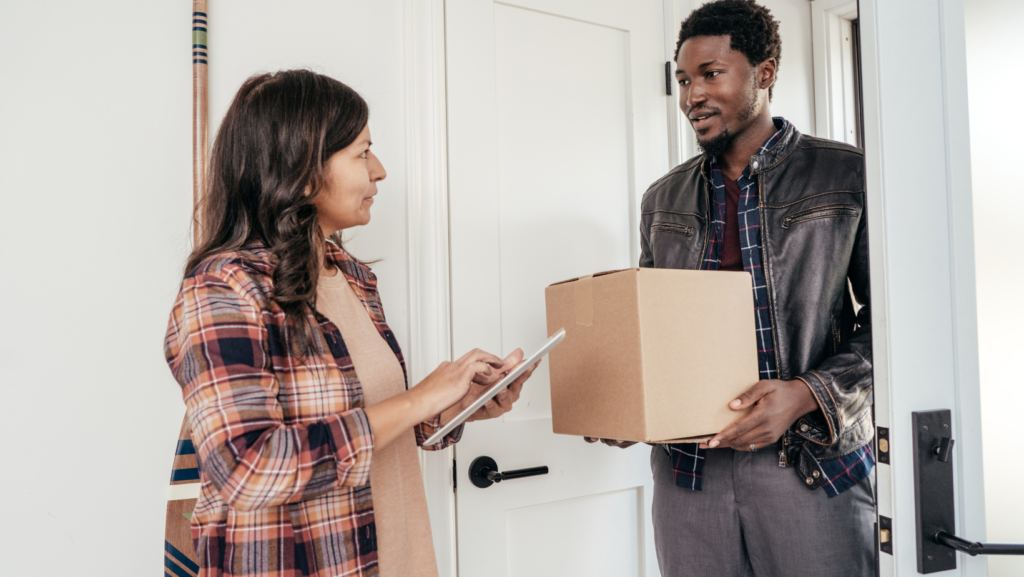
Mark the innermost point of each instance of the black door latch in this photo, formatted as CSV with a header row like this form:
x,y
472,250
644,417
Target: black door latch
x,y
483,472
933,497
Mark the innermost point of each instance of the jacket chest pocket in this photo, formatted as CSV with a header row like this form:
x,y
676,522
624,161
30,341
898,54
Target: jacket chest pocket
x,y
683,229
819,212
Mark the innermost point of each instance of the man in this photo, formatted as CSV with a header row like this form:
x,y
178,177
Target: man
x,y
785,490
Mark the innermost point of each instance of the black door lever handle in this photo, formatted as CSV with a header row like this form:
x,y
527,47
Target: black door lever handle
x,y
483,472
973,549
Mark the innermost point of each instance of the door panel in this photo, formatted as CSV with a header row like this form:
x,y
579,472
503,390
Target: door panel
x,y
563,167
606,522
557,117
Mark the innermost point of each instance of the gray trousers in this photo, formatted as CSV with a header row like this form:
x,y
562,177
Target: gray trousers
x,y
755,519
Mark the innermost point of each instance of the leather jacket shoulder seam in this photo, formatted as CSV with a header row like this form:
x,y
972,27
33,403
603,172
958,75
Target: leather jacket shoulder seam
x,y
808,142
682,168
787,205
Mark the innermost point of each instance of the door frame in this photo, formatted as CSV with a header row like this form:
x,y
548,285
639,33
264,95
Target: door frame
x,y
925,344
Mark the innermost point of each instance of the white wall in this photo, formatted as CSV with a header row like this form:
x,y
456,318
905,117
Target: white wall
x,y
794,92
995,52
95,202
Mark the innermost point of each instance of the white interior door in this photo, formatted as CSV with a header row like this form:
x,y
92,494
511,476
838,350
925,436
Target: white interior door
x,y
557,122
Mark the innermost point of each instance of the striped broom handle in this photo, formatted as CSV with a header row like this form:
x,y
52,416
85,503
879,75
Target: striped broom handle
x,y
200,123
179,556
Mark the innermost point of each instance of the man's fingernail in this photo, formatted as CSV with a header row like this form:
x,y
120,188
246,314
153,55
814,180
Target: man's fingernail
x,y
736,404
713,444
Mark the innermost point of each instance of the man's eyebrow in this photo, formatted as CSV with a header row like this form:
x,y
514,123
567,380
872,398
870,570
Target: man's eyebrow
x,y
704,65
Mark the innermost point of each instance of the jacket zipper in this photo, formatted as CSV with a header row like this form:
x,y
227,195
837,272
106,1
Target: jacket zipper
x,y
707,221
764,269
683,229
838,210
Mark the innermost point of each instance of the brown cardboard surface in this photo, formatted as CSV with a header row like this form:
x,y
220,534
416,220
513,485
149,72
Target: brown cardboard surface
x,y
661,357
696,325
585,400
583,297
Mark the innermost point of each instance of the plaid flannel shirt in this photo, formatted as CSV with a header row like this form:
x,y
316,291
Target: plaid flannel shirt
x,y
688,458
284,445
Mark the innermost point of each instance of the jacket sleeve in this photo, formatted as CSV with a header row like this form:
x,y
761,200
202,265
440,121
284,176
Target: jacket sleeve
x,y
426,429
218,350
646,254
843,383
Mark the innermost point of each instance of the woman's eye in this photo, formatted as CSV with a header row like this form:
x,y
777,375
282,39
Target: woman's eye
x,y
363,155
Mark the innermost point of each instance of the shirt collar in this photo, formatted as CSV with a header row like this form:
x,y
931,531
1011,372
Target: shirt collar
x,y
761,160
349,266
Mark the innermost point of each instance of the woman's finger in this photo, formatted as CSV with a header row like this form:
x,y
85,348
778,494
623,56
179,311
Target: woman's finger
x,y
477,368
476,355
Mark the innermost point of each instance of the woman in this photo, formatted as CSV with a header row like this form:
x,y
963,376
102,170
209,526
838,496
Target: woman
x,y
295,385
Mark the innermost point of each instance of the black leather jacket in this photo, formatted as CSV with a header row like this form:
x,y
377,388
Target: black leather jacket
x,y
815,246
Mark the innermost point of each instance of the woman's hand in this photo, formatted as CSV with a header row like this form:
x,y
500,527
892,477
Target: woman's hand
x,y
452,381
502,402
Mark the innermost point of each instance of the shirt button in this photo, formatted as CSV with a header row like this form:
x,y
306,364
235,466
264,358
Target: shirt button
x,y
804,427
810,481
754,165
816,474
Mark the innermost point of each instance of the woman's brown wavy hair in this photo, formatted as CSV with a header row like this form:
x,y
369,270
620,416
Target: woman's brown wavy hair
x,y
273,144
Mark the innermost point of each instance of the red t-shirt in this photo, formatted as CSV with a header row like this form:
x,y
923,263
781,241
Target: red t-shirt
x,y
731,257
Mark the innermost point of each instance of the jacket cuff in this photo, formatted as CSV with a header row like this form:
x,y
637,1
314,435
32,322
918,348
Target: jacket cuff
x,y
807,428
352,443
428,428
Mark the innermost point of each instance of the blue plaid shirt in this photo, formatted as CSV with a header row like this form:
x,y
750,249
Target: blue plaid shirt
x,y
688,458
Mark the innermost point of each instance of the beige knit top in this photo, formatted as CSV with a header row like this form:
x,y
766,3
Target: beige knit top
x,y
405,547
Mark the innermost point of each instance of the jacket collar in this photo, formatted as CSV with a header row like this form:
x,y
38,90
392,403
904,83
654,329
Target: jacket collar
x,y
770,158
776,154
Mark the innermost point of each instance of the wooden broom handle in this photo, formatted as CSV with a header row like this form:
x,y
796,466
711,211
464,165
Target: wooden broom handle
x,y
200,130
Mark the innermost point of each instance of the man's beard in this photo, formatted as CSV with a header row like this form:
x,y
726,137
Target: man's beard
x,y
718,144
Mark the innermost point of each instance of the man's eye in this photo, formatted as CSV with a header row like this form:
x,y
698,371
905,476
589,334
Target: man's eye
x,y
713,73
683,82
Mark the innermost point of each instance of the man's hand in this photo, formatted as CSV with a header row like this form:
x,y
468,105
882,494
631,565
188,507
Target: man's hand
x,y
610,442
777,405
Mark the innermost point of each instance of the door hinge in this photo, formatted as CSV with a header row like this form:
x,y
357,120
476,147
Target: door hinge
x,y
883,445
668,79
455,477
885,534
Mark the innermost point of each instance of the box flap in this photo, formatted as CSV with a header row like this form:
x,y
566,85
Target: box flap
x,y
596,274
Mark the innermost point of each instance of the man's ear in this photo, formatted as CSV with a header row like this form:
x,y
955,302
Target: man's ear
x,y
766,73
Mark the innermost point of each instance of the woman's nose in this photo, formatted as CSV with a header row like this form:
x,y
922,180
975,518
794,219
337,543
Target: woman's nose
x,y
377,172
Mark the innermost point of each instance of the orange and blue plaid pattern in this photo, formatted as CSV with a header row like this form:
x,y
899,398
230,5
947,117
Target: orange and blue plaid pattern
x,y
283,443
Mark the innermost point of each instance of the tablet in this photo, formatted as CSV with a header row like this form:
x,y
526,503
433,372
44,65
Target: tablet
x,y
497,387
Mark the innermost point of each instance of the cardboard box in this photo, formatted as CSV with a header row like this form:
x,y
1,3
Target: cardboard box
x,y
650,355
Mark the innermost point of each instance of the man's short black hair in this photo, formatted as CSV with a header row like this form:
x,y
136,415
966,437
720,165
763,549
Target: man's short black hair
x,y
753,30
